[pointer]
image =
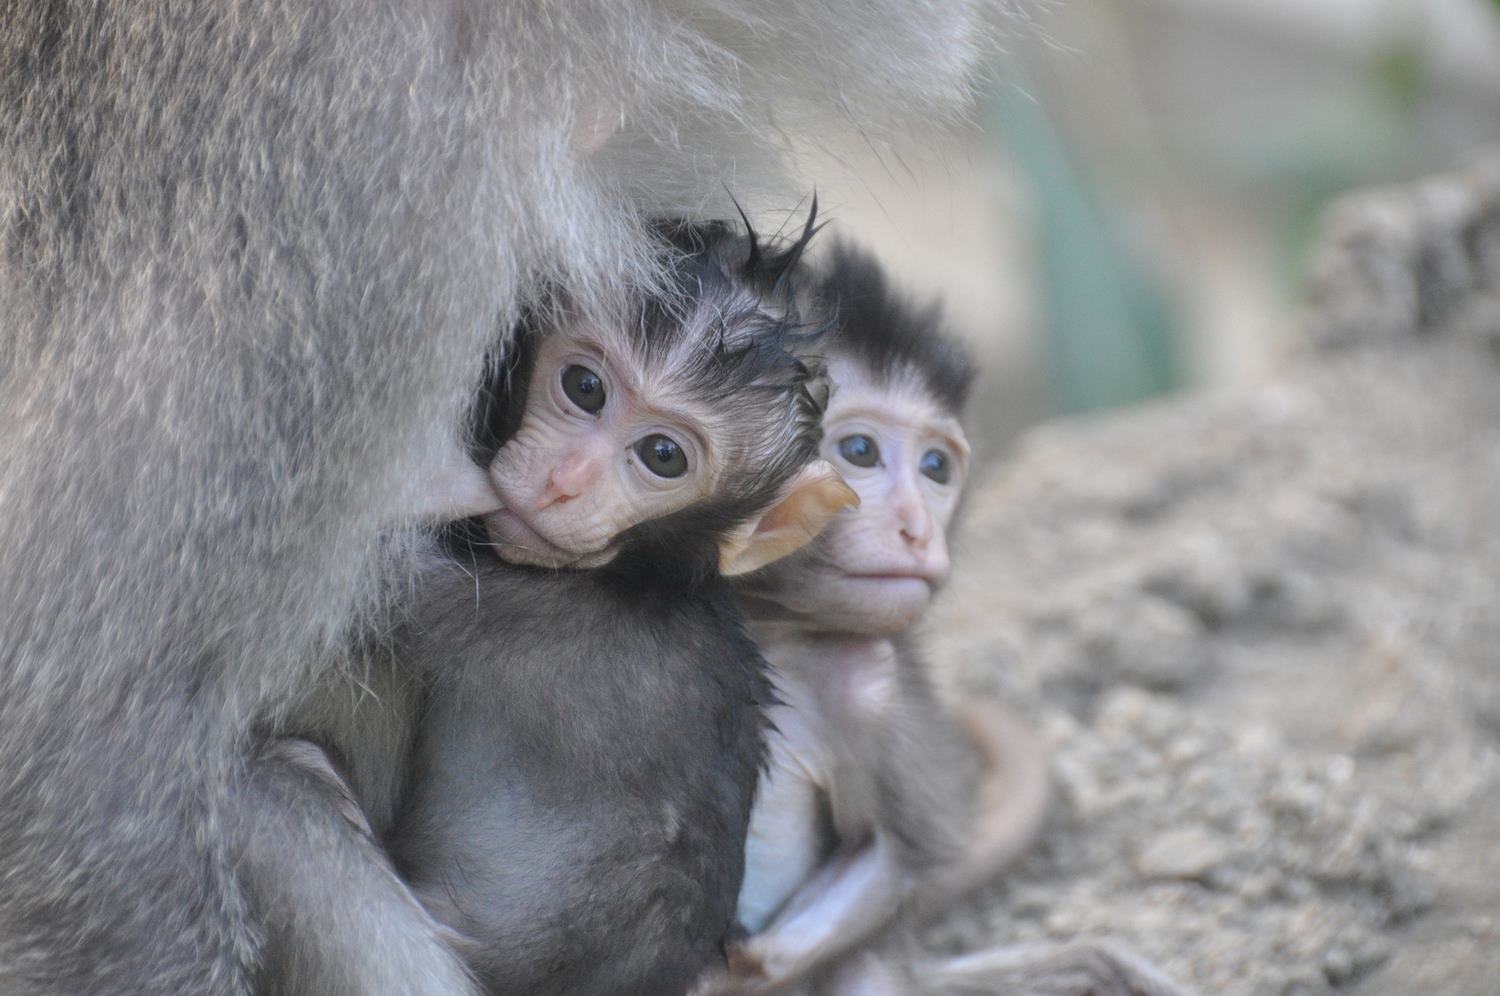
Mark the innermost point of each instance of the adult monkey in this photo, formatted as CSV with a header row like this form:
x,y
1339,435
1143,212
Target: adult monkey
x,y
251,255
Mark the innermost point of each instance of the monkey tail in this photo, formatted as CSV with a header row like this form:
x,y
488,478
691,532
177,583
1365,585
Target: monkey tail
x,y
1014,797
1043,968
1012,807
1012,801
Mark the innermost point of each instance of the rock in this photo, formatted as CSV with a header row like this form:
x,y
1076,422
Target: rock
x,y
1258,632
1184,853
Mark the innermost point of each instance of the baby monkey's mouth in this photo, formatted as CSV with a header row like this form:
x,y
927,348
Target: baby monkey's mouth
x,y
898,575
517,541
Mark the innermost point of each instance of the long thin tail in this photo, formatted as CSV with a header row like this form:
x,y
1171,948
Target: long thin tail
x,y
1044,968
1014,796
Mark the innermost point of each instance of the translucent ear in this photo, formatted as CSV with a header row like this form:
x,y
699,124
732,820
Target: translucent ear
x,y
807,504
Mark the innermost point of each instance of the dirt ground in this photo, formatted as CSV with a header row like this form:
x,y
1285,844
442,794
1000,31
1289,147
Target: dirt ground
x,y
1261,633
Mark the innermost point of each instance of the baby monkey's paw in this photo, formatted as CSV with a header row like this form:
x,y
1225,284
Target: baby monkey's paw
x,y
743,973
743,960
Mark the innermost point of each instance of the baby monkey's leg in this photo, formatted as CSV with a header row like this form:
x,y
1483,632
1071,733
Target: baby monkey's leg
x,y
858,891
851,895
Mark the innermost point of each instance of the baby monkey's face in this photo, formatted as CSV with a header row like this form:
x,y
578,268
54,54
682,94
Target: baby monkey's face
x,y
605,443
875,568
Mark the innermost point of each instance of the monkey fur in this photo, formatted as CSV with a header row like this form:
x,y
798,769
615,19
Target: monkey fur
x,y
250,258
582,750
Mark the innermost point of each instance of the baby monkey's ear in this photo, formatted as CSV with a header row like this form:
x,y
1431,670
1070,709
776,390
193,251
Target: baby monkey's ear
x,y
807,504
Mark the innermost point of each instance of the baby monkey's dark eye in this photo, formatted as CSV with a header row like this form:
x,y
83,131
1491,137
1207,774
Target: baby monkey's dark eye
x,y
584,388
859,450
935,466
662,456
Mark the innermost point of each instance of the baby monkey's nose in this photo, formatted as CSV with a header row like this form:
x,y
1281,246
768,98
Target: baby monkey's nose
x,y
915,521
570,477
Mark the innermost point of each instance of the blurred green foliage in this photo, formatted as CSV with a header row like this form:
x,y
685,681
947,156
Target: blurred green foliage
x,y
1111,337
1112,328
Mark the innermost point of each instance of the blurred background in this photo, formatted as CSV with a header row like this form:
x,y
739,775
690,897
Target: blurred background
x,y
1131,214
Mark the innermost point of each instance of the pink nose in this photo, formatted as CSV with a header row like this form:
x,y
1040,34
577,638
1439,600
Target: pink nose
x,y
570,477
915,520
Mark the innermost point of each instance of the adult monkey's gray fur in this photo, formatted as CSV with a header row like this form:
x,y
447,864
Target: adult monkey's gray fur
x,y
250,257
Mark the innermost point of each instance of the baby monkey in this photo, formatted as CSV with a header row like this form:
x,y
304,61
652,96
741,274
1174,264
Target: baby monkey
x,y
873,789
877,799
581,778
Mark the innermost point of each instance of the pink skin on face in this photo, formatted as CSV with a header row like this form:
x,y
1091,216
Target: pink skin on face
x,y
577,471
572,479
875,569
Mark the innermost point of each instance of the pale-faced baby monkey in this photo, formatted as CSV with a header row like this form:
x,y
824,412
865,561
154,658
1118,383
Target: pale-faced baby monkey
x,y
873,789
877,798
581,778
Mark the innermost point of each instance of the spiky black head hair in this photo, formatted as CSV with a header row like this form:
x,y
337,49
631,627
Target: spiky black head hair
x,y
887,333
769,264
733,331
733,304
730,307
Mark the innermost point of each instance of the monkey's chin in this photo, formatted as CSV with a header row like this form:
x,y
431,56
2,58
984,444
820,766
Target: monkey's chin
x,y
874,605
516,542
886,604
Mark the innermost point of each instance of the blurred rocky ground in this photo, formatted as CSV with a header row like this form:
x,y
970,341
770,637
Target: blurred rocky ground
x,y
1260,629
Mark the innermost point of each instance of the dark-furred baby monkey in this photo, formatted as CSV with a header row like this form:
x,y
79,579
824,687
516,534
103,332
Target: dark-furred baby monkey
x,y
582,775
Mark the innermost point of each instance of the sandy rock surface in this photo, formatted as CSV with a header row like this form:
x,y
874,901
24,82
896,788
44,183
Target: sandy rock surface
x,y
1261,633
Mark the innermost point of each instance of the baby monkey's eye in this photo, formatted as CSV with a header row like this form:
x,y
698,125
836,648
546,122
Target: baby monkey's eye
x,y
935,466
584,388
859,450
662,456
